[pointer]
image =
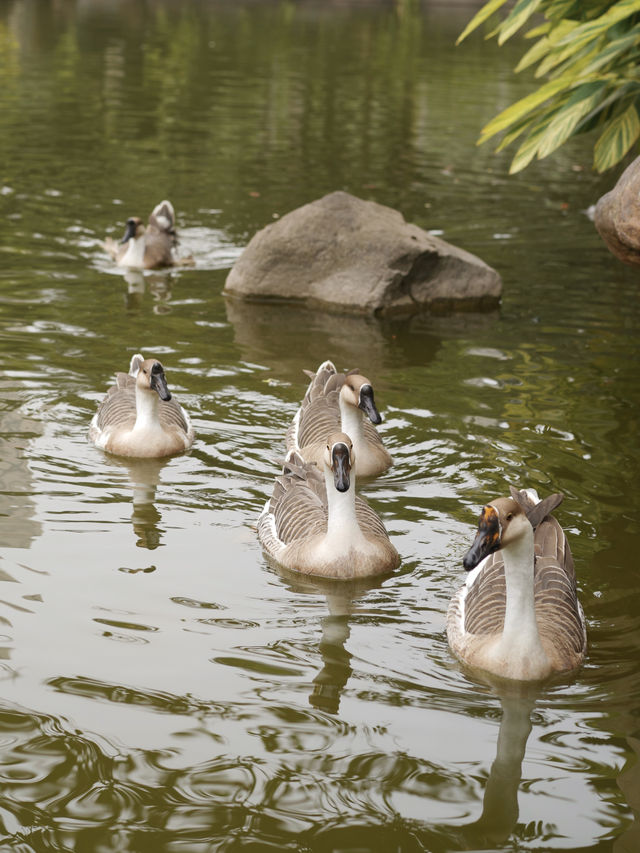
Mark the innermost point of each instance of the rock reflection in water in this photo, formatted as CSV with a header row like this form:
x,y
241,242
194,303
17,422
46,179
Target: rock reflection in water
x,y
371,344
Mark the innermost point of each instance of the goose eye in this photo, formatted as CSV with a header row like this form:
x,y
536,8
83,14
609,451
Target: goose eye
x,y
509,516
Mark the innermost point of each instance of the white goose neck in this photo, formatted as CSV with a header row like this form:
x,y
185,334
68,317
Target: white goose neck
x,y
520,633
341,514
351,421
147,405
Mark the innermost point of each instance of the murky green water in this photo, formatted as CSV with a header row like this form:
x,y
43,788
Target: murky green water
x,y
163,688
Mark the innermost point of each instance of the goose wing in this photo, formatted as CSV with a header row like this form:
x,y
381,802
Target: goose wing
x,y
371,434
319,418
298,506
172,414
558,611
550,544
486,599
163,221
368,520
160,237
319,412
118,408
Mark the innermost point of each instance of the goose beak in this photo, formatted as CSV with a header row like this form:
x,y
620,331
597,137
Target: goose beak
x,y
368,406
487,539
158,382
130,231
341,466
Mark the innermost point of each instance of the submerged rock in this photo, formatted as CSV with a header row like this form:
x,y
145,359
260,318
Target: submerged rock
x,y
617,216
344,254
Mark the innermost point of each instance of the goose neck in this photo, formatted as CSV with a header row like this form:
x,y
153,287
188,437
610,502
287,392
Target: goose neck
x,y
351,421
147,405
341,508
520,625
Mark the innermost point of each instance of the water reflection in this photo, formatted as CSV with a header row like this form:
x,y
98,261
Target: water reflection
x,y
369,343
629,784
159,285
341,598
144,475
500,802
260,328
17,508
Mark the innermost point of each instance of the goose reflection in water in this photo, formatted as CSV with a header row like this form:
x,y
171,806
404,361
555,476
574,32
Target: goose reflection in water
x,y
500,802
499,817
342,599
159,285
144,475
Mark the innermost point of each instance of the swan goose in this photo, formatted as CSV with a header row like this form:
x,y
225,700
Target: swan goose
x,y
139,417
314,523
149,247
518,615
339,402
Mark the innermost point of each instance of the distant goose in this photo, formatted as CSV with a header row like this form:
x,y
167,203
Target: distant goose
x,y
139,417
339,402
315,523
518,615
148,247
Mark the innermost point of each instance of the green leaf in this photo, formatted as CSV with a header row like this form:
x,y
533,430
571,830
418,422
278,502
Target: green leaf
x,y
516,131
615,50
542,30
557,33
564,123
560,8
571,65
527,151
605,109
535,52
518,16
480,17
558,56
593,29
617,139
525,105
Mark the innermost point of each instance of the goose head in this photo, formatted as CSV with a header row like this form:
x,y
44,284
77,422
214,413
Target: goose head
x,y
507,520
501,523
357,391
340,459
134,229
150,378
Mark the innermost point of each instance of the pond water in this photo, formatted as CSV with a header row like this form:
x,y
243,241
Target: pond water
x,y
163,687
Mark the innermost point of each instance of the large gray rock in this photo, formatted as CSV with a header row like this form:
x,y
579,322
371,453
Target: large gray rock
x,y
342,253
617,216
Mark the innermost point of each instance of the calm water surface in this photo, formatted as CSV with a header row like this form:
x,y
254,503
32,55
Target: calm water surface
x,y
163,687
